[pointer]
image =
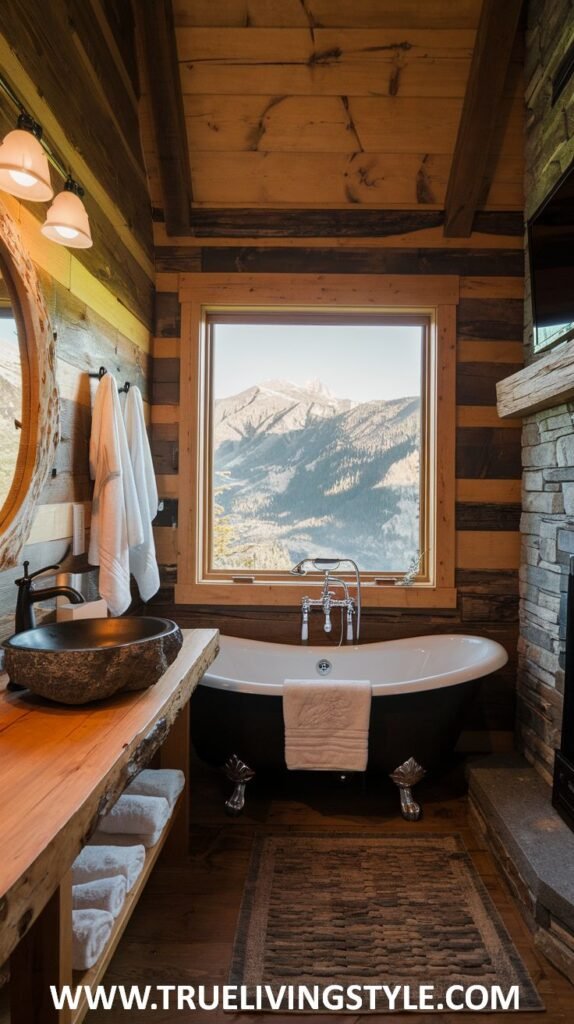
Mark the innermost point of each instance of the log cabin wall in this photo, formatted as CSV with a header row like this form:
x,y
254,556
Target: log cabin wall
x,y
335,207
487,449
100,300
548,436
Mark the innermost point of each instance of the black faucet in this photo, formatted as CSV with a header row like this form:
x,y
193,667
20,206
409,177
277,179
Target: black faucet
x,y
28,595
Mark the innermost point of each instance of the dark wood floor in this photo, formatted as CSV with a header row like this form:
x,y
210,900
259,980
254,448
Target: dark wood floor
x,y
182,931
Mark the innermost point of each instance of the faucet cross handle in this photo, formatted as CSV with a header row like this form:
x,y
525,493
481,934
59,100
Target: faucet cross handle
x,y
32,575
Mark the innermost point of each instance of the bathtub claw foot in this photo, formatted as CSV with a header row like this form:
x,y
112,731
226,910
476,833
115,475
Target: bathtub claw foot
x,y
239,773
410,810
406,776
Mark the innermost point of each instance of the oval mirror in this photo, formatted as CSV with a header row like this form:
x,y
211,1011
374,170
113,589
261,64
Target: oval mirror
x,y
28,393
13,399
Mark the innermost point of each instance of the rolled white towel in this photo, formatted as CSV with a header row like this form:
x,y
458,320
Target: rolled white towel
x,y
166,782
136,814
146,839
91,930
101,894
105,861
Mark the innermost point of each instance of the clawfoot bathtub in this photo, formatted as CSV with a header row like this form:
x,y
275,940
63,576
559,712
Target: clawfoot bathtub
x,y
420,690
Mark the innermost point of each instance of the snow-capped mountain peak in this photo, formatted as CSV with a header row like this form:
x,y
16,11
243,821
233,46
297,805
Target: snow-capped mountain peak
x,y
298,470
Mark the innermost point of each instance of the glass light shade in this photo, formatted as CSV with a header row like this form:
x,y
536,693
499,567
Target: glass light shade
x,y
67,222
24,170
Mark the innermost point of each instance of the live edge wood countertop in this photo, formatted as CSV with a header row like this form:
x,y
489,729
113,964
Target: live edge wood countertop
x,y
62,767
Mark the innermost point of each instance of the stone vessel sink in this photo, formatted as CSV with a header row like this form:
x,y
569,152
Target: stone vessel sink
x,y
89,659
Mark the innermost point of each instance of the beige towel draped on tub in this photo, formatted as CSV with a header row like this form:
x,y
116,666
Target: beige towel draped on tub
x,y
326,724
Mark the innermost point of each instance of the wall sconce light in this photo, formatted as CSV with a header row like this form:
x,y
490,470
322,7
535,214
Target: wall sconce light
x,y
67,221
25,173
24,170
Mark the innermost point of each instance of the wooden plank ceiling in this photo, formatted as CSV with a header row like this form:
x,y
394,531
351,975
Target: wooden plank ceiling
x,y
333,103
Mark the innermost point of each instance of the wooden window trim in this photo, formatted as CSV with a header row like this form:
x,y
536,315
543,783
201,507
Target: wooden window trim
x,y
199,292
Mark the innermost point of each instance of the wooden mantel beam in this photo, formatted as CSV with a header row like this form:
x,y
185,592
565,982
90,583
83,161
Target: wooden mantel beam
x,y
543,384
160,52
472,159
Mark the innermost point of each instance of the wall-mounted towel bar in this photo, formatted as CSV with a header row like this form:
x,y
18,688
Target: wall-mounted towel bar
x,y
102,372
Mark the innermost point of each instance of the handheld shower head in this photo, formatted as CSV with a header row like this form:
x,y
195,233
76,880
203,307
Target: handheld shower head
x,y
324,565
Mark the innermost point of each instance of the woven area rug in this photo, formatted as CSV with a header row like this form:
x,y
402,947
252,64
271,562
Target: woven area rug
x,y
343,909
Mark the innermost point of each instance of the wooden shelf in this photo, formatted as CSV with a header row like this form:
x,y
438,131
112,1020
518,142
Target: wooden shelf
x,y
62,767
94,975
76,761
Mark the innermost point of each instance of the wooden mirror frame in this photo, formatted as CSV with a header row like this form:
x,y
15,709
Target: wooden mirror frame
x,y
40,407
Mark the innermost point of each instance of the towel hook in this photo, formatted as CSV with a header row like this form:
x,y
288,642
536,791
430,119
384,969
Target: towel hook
x,y
102,373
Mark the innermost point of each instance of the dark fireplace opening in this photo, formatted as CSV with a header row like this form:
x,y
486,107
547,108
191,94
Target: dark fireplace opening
x,y
563,788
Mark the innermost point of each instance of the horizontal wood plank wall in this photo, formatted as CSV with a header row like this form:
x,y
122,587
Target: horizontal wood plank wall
x,y
487,450
89,111
85,341
100,300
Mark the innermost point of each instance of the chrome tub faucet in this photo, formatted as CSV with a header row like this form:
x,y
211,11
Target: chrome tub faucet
x,y
350,608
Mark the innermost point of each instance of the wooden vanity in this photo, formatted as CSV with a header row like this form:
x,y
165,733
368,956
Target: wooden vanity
x,y
61,768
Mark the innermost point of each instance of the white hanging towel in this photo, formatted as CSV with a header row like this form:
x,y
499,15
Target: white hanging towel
x,y
143,562
116,521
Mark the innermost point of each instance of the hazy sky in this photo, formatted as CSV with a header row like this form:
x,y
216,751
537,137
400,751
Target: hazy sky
x,y
8,331
361,363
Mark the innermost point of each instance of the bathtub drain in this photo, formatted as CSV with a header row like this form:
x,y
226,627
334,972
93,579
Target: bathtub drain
x,y
323,667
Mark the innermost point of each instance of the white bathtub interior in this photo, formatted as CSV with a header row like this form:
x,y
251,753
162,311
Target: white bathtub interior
x,y
393,666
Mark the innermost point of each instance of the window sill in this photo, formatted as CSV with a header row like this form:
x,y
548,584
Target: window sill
x,y
289,596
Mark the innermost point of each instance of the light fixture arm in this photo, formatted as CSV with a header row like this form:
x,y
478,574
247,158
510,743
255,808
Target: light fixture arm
x,y
24,172
28,124
7,88
53,159
71,185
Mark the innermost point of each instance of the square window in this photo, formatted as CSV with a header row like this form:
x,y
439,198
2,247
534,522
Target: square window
x,y
318,441
317,420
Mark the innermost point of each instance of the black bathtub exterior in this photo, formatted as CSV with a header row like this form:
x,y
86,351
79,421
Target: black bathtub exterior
x,y
424,725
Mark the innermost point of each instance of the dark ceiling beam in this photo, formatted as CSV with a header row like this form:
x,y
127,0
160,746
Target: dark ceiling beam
x,y
479,128
158,34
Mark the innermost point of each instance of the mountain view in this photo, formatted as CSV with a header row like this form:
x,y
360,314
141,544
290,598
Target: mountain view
x,y
10,405
299,472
